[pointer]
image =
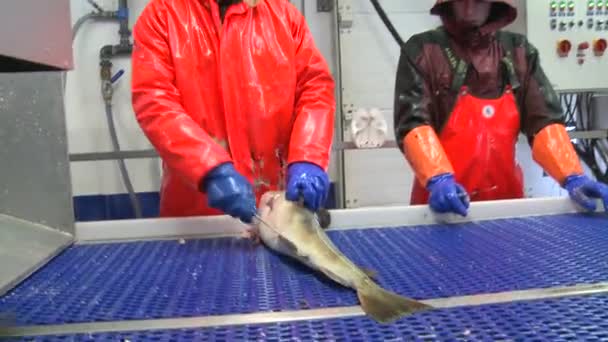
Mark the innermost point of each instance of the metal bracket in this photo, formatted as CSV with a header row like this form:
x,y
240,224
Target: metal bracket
x,y
597,134
345,14
325,5
348,107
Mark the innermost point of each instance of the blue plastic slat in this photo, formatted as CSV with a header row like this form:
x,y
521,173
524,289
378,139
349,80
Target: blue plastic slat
x,y
566,319
162,279
114,207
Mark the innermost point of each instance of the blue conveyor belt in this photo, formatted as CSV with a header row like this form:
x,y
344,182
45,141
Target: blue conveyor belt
x,y
567,319
164,279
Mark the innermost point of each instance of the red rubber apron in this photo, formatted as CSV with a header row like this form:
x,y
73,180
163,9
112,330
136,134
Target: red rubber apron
x,y
479,140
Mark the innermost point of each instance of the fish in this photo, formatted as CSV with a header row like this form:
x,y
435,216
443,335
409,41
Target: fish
x,y
290,229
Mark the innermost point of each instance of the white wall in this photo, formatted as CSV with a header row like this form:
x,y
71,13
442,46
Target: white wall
x,y
86,120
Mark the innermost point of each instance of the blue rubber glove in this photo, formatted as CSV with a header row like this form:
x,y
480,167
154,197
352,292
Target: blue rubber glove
x,y
230,192
309,181
584,191
447,195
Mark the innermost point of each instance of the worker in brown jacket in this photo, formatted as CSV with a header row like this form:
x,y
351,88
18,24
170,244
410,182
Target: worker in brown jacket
x,y
463,93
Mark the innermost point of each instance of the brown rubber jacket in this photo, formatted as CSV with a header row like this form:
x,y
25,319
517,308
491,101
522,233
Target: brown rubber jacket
x,y
425,85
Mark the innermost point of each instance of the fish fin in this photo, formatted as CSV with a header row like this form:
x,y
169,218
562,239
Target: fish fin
x,y
324,218
370,272
286,246
385,306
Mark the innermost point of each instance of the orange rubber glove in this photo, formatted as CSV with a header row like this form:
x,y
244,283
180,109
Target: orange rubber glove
x,y
425,154
554,152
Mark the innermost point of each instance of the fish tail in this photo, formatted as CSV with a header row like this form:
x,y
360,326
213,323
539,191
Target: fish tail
x,y
385,306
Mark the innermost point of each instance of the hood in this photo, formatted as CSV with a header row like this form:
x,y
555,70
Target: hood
x,y
502,14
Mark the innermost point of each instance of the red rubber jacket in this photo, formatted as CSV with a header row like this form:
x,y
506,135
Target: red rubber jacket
x,y
252,89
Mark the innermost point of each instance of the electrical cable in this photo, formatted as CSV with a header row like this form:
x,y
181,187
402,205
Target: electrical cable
x,y
79,24
387,22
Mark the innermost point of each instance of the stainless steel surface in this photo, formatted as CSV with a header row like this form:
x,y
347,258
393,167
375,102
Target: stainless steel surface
x,y
349,145
24,247
291,316
340,191
599,107
35,182
518,296
37,35
96,156
597,134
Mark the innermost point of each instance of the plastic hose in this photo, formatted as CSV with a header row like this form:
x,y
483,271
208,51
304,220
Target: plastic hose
x,y
75,30
79,24
121,163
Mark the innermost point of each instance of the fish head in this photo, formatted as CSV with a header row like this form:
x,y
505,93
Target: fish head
x,y
268,201
269,209
276,210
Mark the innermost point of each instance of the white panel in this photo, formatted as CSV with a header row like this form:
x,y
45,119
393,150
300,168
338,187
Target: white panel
x,y
566,73
85,114
370,56
369,65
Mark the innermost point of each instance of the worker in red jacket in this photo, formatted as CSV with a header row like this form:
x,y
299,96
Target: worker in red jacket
x,y
237,100
463,93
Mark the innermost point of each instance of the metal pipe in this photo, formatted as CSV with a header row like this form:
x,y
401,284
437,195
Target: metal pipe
x,y
339,124
98,156
109,51
123,17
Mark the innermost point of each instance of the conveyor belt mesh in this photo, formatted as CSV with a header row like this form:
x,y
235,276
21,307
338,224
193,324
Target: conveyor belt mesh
x,y
162,279
567,319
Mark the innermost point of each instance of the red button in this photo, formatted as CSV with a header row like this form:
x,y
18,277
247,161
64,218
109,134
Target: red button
x,y
599,46
564,47
583,46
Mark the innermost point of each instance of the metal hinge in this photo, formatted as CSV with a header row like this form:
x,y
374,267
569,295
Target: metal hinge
x,y
325,5
348,107
345,14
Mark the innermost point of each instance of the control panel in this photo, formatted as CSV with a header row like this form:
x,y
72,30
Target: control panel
x,y
572,37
